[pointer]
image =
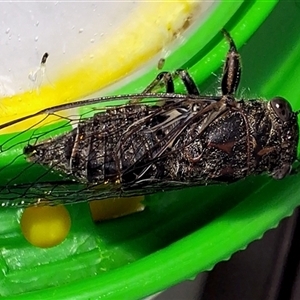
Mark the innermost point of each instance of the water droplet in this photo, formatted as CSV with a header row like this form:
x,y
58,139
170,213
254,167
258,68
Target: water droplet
x,y
92,40
80,30
36,38
32,76
91,56
7,30
161,63
37,23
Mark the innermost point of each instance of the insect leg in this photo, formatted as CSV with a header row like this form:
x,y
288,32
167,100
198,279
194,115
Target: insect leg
x,y
163,77
188,82
166,78
232,68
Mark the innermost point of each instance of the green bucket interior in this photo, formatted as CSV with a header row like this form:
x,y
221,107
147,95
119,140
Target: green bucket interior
x,y
180,233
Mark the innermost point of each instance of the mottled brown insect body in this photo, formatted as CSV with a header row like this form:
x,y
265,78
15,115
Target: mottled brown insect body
x,y
182,141
139,145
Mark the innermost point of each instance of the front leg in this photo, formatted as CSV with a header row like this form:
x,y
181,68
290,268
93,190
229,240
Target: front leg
x,y
163,78
232,68
188,82
167,79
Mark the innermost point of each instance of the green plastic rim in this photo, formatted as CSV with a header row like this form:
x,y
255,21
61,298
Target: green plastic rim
x,y
180,233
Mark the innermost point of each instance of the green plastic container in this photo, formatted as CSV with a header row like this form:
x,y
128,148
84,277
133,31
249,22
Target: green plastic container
x,y
182,233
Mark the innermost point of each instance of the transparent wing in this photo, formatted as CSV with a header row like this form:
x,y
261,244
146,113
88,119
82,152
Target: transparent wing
x,y
133,146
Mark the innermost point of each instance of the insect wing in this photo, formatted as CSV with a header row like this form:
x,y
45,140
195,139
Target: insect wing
x,y
19,178
155,148
24,183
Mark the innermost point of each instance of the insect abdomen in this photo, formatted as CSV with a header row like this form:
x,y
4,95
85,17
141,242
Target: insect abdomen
x,y
93,151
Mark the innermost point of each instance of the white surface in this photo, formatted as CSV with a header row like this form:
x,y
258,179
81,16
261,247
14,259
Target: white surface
x,y
63,29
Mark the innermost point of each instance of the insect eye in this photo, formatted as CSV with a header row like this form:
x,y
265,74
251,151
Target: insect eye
x,y
282,108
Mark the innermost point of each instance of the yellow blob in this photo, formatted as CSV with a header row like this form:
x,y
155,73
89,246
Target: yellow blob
x,y
115,207
45,226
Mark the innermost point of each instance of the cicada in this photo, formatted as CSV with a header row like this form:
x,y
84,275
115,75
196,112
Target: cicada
x,y
179,141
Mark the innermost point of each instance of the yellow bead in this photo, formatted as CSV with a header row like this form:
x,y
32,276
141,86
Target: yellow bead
x,y
45,226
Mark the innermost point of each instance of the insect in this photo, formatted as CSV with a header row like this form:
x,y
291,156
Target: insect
x,y
44,58
39,74
183,140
